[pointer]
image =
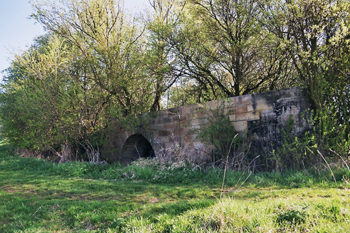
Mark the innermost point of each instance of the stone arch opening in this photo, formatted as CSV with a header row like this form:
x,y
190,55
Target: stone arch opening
x,y
135,147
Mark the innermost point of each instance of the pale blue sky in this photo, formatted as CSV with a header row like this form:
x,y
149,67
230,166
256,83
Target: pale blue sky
x,y
17,31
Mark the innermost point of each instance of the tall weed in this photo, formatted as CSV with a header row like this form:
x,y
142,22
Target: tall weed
x,y
325,142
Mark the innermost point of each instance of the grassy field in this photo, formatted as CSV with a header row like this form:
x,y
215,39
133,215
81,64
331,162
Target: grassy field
x,y
39,196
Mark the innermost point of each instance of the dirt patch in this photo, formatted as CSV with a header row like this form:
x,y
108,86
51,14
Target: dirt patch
x,y
153,200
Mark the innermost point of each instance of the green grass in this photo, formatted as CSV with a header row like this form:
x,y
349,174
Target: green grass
x,y
39,196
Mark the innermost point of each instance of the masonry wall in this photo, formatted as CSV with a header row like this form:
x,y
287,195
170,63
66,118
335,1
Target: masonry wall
x,y
261,116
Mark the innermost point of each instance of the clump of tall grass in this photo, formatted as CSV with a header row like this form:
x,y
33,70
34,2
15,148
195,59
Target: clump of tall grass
x,y
176,157
175,166
156,170
230,215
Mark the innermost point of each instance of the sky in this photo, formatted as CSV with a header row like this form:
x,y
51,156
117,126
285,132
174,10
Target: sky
x,y
17,31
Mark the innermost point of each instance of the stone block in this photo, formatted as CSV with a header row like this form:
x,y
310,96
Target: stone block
x,y
176,131
289,101
240,126
156,127
159,114
268,116
189,131
184,118
242,100
185,124
171,126
164,139
239,109
166,120
163,133
193,129
263,105
227,111
250,108
186,139
157,121
249,116
200,115
174,118
152,121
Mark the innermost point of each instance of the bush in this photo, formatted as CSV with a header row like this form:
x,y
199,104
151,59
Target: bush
x,y
326,138
229,147
291,216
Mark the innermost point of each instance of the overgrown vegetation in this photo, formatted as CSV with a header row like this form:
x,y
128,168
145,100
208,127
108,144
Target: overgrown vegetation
x,y
97,65
227,148
326,139
37,195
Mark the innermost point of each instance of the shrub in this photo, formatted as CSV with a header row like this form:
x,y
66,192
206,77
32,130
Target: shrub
x,y
291,216
325,138
228,147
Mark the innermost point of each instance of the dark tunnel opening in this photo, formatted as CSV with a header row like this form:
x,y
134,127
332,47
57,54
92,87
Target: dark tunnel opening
x,y
135,147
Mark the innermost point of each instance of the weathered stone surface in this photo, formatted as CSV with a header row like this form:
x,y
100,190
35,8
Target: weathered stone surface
x,y
262,106
240,126
156,127
196,122
162,133
261,116
240,109
247,116
241,100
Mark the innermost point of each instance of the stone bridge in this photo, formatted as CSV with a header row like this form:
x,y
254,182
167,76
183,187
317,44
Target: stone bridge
x,y
261,116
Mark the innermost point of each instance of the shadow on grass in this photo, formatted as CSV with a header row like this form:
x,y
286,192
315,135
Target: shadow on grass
x,y
37,195
32,200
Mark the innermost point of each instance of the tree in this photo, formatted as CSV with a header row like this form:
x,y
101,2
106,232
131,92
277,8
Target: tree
x,y
110,45
224,47
309,31
183,93
37,107
315,33
160,62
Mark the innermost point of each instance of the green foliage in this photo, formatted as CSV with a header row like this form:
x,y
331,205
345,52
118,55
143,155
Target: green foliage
x,y
37,195
160,25
321,65
224,48
294,153
305,22
291,216
97,66
185,94
221,134
63,91
36,104
326,137
218,132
